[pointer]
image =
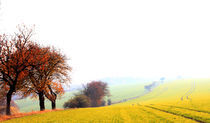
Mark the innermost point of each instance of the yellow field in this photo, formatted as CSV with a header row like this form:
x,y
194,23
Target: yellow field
x,y
128,114
184,101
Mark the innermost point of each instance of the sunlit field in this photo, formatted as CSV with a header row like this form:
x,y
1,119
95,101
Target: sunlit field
x,y
175,101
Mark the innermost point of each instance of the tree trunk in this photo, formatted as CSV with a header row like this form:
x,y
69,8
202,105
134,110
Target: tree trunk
x,y
54,101
41,101
53,104
9,97
94,103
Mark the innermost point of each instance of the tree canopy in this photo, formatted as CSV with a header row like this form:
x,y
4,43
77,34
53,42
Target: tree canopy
x,y
30,68
96,90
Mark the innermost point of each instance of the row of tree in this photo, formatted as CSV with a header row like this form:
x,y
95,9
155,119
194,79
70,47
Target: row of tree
x,y
30,69
92,94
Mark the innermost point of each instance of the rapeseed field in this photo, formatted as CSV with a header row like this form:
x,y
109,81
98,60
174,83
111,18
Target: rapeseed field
x,y
182,101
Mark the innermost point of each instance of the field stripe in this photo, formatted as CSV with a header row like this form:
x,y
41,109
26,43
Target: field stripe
x,y
189,92
176,114
188,109
157,116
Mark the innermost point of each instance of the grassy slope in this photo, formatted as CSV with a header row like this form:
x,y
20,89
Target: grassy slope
x,y
125,91
28,104
164,104
118,93
171,93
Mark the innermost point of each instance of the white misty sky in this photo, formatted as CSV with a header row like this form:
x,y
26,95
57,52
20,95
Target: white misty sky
x,y
115,38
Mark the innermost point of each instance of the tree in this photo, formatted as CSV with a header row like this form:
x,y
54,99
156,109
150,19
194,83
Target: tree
x,y
162,79
56,72
47,78
2,93
96,90
52,96
35,82
150,86
79,101
14,107
103,103
51,93
17,56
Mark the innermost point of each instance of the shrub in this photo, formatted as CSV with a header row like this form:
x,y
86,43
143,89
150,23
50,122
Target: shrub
x,y
109,101
79,101
103,103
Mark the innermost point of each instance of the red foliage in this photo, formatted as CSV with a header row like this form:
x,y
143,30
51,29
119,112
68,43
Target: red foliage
x,y
16,57
96,90
27,67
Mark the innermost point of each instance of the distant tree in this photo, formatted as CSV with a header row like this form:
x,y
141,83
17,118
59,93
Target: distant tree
x,y
109,102
162,79
96,90
103,103
150,86
79,101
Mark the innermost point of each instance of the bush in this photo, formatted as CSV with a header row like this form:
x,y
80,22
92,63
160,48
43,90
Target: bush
x,y
109,102
103,103
79,101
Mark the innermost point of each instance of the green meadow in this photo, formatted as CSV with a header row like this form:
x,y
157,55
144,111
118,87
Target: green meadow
x,y
117,92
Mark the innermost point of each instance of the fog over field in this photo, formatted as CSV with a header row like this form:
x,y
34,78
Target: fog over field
x,y
120,38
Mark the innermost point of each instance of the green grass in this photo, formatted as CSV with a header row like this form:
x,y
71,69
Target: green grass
x,y
28,104
118,93
125,91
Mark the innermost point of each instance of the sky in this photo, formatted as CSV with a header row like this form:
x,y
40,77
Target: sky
x,y
119,38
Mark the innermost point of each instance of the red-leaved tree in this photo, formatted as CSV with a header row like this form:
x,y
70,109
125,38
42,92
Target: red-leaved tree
x,y
17,56
96,90
47,78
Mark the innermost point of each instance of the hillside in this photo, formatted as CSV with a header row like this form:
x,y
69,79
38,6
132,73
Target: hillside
x,y
191,93
176,101
119,90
